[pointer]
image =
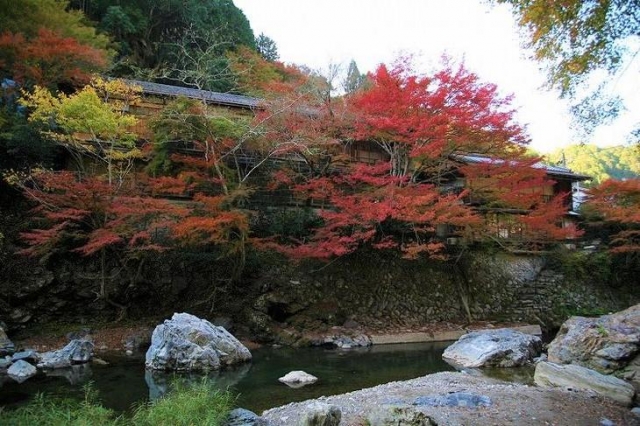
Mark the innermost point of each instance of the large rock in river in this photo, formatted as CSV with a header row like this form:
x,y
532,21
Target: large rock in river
x,y
188,343
77,351
494,348
608,344
580,378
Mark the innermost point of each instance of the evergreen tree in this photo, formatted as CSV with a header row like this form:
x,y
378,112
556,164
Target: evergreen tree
x,y
354,79
267,48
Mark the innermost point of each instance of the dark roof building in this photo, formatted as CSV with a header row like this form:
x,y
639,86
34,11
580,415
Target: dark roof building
x,y
225,99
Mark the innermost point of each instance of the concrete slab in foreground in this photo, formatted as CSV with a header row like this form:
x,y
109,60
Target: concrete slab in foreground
x,y
440,336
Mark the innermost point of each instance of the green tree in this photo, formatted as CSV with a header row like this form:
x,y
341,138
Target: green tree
x,y
267,48
28,16
576,38
354,79
147,30
618,162
89,126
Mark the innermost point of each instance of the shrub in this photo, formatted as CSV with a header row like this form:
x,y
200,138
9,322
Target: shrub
x,y
198,404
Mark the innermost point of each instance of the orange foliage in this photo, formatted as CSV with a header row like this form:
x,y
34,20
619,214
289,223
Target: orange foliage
x,y
49,59
618,202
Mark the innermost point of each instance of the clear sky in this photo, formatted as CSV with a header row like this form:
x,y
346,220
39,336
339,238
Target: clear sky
x,y
317,33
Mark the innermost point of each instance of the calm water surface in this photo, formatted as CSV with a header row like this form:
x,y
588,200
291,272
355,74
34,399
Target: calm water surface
x,y
124,383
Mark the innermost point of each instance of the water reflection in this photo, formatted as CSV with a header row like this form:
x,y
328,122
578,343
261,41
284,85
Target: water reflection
x,y
159,382
76,374
125,383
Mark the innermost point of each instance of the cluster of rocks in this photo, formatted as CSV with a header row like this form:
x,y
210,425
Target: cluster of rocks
x,y
22,365
597,355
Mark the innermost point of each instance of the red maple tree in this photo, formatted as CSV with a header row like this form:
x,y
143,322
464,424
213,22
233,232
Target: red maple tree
x,y
410,136
618,204
49,59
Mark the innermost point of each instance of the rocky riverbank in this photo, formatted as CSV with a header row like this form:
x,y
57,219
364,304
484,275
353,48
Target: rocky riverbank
x,y
462,399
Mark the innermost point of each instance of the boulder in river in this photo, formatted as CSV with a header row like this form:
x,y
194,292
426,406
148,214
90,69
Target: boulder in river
x,y
297,379
576,377
188,343
495,348
21,370
76,352
609,344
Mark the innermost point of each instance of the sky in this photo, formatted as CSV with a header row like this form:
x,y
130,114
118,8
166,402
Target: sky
x,y
319,33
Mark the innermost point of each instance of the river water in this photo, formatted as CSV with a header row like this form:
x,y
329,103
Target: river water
x,y
124,383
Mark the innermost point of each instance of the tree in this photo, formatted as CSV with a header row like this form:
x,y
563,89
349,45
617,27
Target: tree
x,y
267,48
415,126
617,203
88,125
354,79
619,162
576,38
91,217
28,17
48,60
147,31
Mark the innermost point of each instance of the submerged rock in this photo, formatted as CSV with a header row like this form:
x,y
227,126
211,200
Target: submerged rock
x,y
297,379
496,348
76,352
580,378
21,370
188,343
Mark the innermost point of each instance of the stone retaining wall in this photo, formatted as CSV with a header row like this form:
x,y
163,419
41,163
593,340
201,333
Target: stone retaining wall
x,y
379,291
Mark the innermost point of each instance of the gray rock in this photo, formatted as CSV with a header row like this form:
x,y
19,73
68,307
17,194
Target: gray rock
x,y
608,344
28,355
244,417
456,399
6,346
580,378
297,379
606,422
76,352
5,362
321,414
399,415
21,371
495,348
188,343
636,411
348,341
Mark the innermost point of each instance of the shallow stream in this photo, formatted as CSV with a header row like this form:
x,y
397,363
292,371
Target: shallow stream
x,y
124,382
